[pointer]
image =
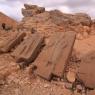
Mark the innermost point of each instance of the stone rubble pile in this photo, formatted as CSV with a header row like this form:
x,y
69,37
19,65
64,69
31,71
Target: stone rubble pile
x,y
37,18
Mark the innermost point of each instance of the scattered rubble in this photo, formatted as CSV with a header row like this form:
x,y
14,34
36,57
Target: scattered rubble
x,y
44,41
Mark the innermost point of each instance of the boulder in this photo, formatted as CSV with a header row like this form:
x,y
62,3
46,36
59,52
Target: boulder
x,y
31,10
86,71
27,6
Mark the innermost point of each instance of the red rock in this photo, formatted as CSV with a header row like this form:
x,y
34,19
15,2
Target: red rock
x,y
31,10
53,21
9,22
92,92
12,41
51,60
86,70
28,50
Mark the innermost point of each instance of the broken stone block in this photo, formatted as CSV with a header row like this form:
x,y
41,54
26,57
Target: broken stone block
x,y
11,42
28,50
86,71
31,10
55,55
68,41
27,13
27,6
45,61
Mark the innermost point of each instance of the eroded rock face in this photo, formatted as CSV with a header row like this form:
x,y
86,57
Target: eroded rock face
x,y
31,10
83,18
42,22
54,21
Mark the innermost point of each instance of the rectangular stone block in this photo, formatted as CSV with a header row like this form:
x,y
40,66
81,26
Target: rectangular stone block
x,y
11,41
55,55
68,40
47,58
28,50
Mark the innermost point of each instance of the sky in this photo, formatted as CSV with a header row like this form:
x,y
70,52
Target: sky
x,y
12,8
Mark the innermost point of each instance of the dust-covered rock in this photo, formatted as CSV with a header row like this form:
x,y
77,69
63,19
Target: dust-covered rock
x,y
86,70
31,10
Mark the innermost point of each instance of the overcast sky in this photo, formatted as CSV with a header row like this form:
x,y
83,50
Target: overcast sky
x,y
13,7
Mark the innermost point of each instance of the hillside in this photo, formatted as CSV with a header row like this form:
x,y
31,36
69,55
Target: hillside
x,y
9,22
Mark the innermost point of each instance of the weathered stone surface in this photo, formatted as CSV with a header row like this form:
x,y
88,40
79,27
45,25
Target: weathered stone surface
x,y
46,60
52,60
92,32
31,10
10,42
86,72
28,50
54,21
66,52
92,92
27,13
27,6
7,21
72,19
83,18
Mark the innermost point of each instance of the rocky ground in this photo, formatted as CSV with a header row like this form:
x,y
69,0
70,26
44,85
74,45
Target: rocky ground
x,y
16,81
